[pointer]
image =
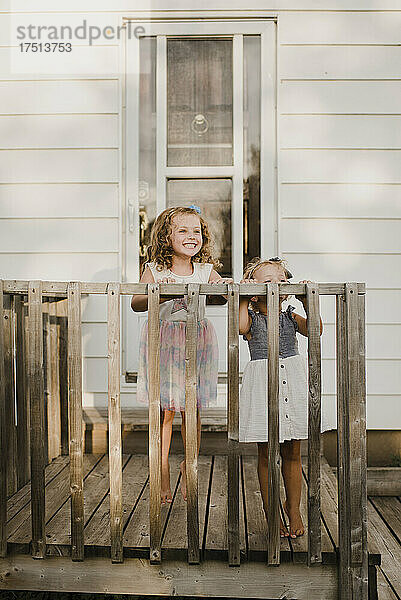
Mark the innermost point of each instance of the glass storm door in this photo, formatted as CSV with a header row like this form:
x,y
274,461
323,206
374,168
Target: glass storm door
x,y
200,130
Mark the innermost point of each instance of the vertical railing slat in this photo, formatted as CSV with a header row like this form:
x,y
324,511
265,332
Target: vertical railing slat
x,y
3,443
233,425
22,393
154,423
273,517
191,434
314,424
75,420
115,452
343,453
9,384
48,430
54,415
62,327
362,380
36,393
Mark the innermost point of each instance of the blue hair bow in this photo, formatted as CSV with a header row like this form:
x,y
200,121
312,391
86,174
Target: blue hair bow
x,y
194,207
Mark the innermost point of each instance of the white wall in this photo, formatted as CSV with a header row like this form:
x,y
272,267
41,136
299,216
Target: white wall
x,y
339,175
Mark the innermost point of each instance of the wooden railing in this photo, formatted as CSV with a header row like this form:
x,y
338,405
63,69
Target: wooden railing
x,y
38,319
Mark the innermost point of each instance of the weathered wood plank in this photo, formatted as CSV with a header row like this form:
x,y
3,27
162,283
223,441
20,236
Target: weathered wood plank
x,y
47,431
36,392
75,420
216,534
54,385
96,485
154,423
273,509
384,591
390,511
191,434
174,537
138,578
344,524
22,394
115,451
381,540
3,442
57,493
354,431
314,424
135,476
233,425
8,382
62,324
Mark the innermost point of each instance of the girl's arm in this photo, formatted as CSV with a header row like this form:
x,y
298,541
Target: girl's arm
x,y
301,321
245,320
139,302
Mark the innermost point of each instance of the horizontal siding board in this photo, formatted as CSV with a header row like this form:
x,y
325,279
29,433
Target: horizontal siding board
x,y
349,166
375,270
382,307
340,131
95,374
94,308
354,97
382,341
346,200
60,267
340,62
82,60
182,5
59,131
23,166
339,28
340,235
50,97
59,235
59,200
383,377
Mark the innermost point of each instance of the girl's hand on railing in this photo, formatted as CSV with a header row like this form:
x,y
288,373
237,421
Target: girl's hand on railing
x,y
302,297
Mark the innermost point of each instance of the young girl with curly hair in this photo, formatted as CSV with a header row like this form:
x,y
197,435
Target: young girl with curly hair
x,y
181,252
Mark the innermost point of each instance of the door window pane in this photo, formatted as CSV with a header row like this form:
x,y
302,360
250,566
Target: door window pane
x,y
213,196
252,110
199,102
147,142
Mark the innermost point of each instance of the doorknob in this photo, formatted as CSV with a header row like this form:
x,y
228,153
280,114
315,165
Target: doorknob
x,y
131,216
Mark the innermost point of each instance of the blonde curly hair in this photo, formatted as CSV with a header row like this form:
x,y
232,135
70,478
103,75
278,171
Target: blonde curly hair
x,y
257,262
160,251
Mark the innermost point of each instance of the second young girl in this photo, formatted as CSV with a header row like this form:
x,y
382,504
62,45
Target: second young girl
x,y
293,388
180,252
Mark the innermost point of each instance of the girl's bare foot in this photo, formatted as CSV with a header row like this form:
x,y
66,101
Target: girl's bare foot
x,y
166,495
283,529
183,480
296,525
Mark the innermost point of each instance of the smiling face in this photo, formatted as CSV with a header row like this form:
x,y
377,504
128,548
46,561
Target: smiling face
x,y
186,235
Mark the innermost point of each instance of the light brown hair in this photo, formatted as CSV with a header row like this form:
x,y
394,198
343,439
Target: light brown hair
x,y
160,250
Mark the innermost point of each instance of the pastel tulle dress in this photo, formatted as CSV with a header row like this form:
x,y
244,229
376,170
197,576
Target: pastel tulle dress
x,y
293,384
173,317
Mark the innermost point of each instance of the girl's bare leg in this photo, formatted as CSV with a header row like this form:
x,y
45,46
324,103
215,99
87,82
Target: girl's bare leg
x,y
292,475
263,481
166,431
182,466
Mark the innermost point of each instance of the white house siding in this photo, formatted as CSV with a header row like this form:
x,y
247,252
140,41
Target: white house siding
x,y
338,150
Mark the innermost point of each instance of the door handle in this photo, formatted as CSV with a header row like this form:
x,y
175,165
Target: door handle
x,y
130,216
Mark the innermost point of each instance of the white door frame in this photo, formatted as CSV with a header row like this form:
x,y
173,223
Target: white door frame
x,y
233,28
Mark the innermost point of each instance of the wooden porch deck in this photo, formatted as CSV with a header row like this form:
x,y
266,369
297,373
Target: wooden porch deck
x,y
212,512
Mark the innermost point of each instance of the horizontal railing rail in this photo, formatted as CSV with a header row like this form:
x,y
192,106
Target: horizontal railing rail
x,y
34,336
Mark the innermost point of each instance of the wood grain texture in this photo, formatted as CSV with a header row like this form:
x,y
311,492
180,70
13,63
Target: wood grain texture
x,y
115,451
22,393
36,394
3,442
314,424
154,422
354,408
75,420
273,516
233,424
48,430
191,440
9,382
62,324
54,385
344,525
